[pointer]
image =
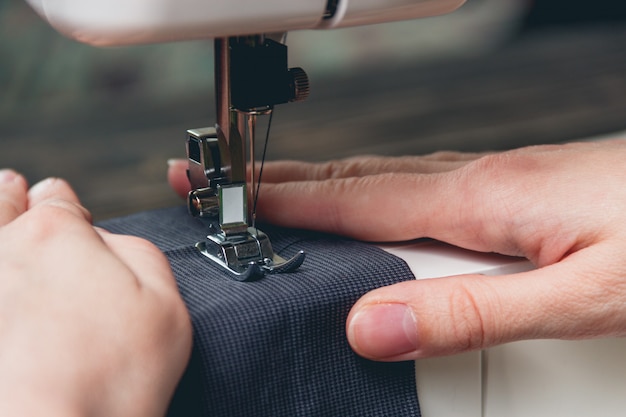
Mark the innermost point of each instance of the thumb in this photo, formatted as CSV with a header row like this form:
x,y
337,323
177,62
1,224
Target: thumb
x,y
443,316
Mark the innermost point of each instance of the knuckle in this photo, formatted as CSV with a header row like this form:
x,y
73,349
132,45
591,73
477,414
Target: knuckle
x,y
490,162
64,208
172,312
148,247
505,164
140,243
328,170
52,218
346,168
468,320
336,169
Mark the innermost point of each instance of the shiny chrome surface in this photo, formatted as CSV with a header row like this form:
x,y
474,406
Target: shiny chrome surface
x,y
248,256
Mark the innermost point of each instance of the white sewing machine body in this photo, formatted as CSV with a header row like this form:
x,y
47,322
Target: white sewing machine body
x,y
124,22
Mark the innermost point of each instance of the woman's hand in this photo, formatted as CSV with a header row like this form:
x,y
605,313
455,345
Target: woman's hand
x,y
92,323
562,207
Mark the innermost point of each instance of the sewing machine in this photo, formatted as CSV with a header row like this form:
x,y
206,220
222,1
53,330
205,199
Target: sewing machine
x,y
526,378
251,77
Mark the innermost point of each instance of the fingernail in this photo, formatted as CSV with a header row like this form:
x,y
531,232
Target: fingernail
x,y
7,175
173,162
382,331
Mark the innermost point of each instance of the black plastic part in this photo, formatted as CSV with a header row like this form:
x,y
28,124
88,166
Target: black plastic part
x,y
259,75
193,149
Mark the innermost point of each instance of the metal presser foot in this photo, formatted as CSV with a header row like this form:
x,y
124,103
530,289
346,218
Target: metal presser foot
x,y
249,256
246,252
251,77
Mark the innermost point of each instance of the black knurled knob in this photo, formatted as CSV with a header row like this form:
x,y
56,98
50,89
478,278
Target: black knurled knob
x,y
301,88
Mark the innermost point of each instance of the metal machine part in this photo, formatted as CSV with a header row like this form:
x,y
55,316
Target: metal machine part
x,y
251,77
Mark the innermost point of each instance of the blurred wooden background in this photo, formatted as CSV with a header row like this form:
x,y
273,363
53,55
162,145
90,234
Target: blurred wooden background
x,y
107,120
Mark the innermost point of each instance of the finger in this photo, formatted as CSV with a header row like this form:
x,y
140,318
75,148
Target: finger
x,y
452,315
386,207
145,260
13,197
177,176
55,192
283,171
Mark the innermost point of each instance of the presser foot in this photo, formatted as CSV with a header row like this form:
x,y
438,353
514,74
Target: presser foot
x,y
248,256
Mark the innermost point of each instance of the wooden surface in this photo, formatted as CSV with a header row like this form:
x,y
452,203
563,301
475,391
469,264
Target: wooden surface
x,y
543,87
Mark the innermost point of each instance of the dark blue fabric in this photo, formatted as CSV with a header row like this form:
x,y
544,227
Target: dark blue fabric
x,y
277,346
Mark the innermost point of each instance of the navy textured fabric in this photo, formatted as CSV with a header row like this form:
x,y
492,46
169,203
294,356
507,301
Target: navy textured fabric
x,y
277,346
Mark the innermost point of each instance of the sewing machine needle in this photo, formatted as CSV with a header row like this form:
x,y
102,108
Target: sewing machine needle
x,y
253,186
